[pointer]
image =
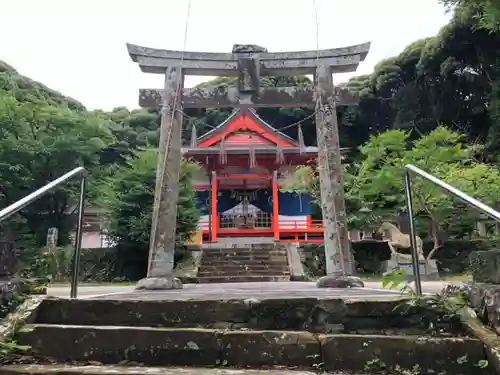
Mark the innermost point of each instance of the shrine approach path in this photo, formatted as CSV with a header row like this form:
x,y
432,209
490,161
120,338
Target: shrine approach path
x,y
373,290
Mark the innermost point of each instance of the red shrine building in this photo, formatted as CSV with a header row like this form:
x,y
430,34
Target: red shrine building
x,y
243,162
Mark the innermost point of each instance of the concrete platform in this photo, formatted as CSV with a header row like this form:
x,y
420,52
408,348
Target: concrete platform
x,y
232,291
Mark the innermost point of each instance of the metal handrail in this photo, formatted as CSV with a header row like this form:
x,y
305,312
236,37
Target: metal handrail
x,y
409,206
22,203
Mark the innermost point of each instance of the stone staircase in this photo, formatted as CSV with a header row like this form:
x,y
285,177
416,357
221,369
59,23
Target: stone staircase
x,y
243,263
320,335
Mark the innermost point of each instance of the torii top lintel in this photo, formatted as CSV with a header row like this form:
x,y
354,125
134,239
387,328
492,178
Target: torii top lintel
x,y
341,60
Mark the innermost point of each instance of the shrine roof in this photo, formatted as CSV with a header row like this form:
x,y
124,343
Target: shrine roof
x,y
243,128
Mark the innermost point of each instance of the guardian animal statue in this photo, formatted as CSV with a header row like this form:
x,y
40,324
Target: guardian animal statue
x,y
398,240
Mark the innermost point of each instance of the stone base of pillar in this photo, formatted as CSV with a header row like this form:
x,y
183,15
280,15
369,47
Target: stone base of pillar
x,y
159,283
332,281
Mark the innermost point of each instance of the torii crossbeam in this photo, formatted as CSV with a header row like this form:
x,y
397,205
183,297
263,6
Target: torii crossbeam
x,y
248,63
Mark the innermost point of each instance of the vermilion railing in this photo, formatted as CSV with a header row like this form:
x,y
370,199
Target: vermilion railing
x,y
283,225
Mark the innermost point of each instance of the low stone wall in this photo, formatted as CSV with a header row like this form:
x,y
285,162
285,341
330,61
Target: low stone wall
x,y
451,258
14,292
8,259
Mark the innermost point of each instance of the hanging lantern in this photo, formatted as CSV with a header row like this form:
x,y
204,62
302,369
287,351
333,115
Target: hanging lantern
x,y
194,137
300,137
280,155
252,158
222,152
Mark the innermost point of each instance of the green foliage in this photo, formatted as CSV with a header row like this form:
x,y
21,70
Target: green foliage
x,y
450,80
54,264
38,143
128,196
377,187
27,90
374,184
485,12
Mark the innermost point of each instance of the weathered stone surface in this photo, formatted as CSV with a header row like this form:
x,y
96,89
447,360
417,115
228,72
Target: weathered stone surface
x,y
241,279
205,347
315,315
229,97
248,74
246,263
338,256
485,299
137,370
380,308
142,313
485,266
327,316
8,259
188,269
12,290
490,339
432,355
266,348
164,218
334,281
427,267
159,283
23,314
276,314
153,60
295,265
111,345
248,48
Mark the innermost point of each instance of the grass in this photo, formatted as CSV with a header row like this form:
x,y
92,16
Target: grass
x,y
458,277
445,277
90,283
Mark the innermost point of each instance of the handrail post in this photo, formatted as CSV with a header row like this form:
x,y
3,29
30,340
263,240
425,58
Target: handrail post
x,y
413,233
78,238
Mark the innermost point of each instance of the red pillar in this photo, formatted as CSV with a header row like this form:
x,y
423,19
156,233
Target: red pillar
x,y
214,207
276,222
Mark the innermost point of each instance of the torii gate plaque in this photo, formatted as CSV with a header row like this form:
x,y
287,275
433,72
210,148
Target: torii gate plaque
x,y
248,63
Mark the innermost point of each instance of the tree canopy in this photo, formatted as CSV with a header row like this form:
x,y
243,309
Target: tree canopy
x,y
436,104
128,197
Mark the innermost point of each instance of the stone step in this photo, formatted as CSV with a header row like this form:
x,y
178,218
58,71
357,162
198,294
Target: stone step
x,y
211,347
315,314
245,253
245,256
244,249
241,272
29,369
250,266
242,279
242,262
267,314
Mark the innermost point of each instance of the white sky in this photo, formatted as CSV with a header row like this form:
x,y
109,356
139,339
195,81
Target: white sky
x,y
78,46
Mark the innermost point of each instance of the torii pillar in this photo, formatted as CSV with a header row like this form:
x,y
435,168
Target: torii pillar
x,y
249,63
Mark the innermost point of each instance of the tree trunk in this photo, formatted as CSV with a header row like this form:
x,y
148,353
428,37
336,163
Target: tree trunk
x,y
435,231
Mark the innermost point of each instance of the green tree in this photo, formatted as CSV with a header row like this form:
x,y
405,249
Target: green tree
x,y
39,143
486,12
374,184
377,189
128,197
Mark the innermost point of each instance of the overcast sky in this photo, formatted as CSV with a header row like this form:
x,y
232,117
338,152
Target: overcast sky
x,y
78,46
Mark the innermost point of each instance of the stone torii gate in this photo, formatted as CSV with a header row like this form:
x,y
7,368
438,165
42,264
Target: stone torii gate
x,y
248,63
